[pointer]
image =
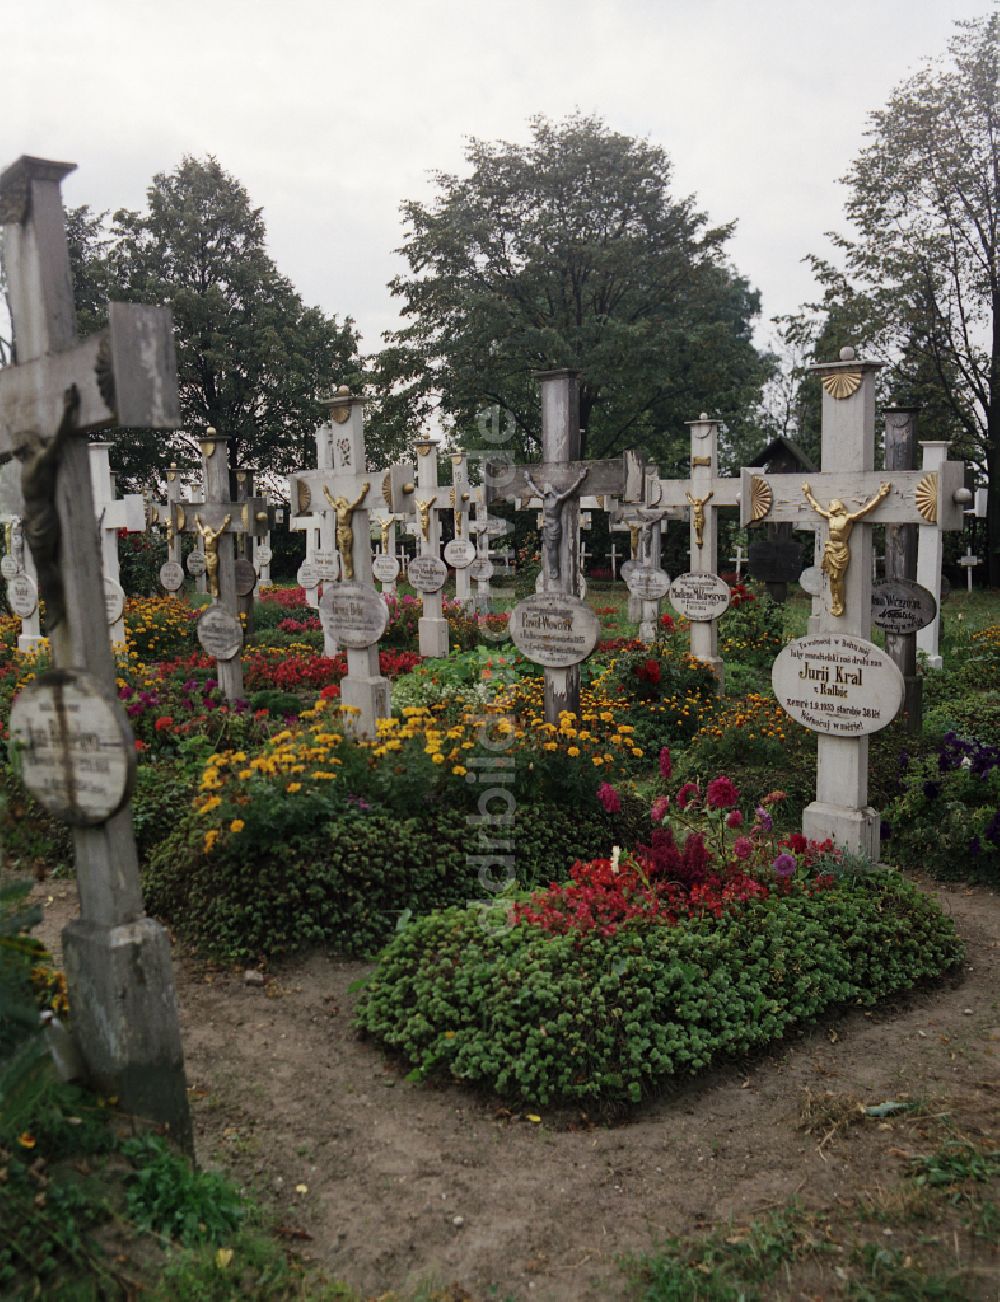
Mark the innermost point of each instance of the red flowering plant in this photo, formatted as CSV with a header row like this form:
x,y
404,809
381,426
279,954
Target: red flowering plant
x,y
704,857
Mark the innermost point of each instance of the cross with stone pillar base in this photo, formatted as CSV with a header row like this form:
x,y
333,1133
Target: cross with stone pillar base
x,y
559,479
30,635
461,488
217,521
703,494
847,498
117,961
349,487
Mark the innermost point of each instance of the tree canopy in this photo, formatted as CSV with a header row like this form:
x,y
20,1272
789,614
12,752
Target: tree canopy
x,y
920,285
569,252
253,361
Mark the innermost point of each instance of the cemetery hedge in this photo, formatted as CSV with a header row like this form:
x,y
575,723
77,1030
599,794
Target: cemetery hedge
x,y
344,881
595,1019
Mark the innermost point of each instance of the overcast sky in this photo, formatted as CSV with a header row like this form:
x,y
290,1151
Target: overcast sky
x,y
330,113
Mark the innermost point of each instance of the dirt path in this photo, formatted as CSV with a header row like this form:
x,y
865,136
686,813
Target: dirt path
x,y
396,1183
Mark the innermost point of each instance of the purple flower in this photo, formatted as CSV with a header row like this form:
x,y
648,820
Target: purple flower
x,y
609,798
721,793
784,865
734,818
742,847
764,819
659,810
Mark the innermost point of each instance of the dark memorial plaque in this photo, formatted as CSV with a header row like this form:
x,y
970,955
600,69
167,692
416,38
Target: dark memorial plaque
x,y
244,576
775,561
73,747
902,606
554,630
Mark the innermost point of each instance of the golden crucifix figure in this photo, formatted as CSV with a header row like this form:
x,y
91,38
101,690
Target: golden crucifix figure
x,y
633,531
384,527
345,526
698,516
424,507
210,542
836,551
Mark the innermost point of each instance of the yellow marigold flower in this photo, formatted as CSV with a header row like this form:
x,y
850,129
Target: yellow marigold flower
x,y
293,787
598,760
244,774
637,752
213,802
26,1139
459,771
237,825
210,839
550,745
573,750
437,758
323,776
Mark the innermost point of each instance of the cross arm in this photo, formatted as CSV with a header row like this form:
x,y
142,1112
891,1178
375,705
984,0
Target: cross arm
x,y
249,517
128,512
915,496
619,477
673,492
125,375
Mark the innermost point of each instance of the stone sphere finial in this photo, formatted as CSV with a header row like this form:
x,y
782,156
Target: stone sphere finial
x,y
847,353
344,390
703,416
210,432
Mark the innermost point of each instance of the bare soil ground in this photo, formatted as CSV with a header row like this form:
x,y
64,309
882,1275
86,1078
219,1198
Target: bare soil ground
x,y
389,1184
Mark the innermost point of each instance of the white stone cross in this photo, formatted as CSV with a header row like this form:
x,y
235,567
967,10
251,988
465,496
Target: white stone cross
x,y
849,497
117,961
113,514
313,515
217,520
968,561
703,494
349,489
738,560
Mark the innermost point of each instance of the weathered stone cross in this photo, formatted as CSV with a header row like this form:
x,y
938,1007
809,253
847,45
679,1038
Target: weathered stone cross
x,y
836,682
557,480
217,520
76,750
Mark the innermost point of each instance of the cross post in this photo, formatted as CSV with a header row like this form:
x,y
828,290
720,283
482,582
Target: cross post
x,y
117,960
930,552
317,521
113,514
901,559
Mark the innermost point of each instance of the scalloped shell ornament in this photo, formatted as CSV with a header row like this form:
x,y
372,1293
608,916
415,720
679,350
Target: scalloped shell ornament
x,y
842,384
761,498
926,496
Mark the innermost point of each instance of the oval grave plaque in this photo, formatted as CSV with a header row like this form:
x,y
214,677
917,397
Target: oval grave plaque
x,y
902,606
811,581
554,630
427,573
307,576
626,568
327,566
481,570
8,566
699,596
460,553
263,555
649,584
356,614
22,596
196,564
171,576
244,576
114,601
74,747
385,568
837,684
220,633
